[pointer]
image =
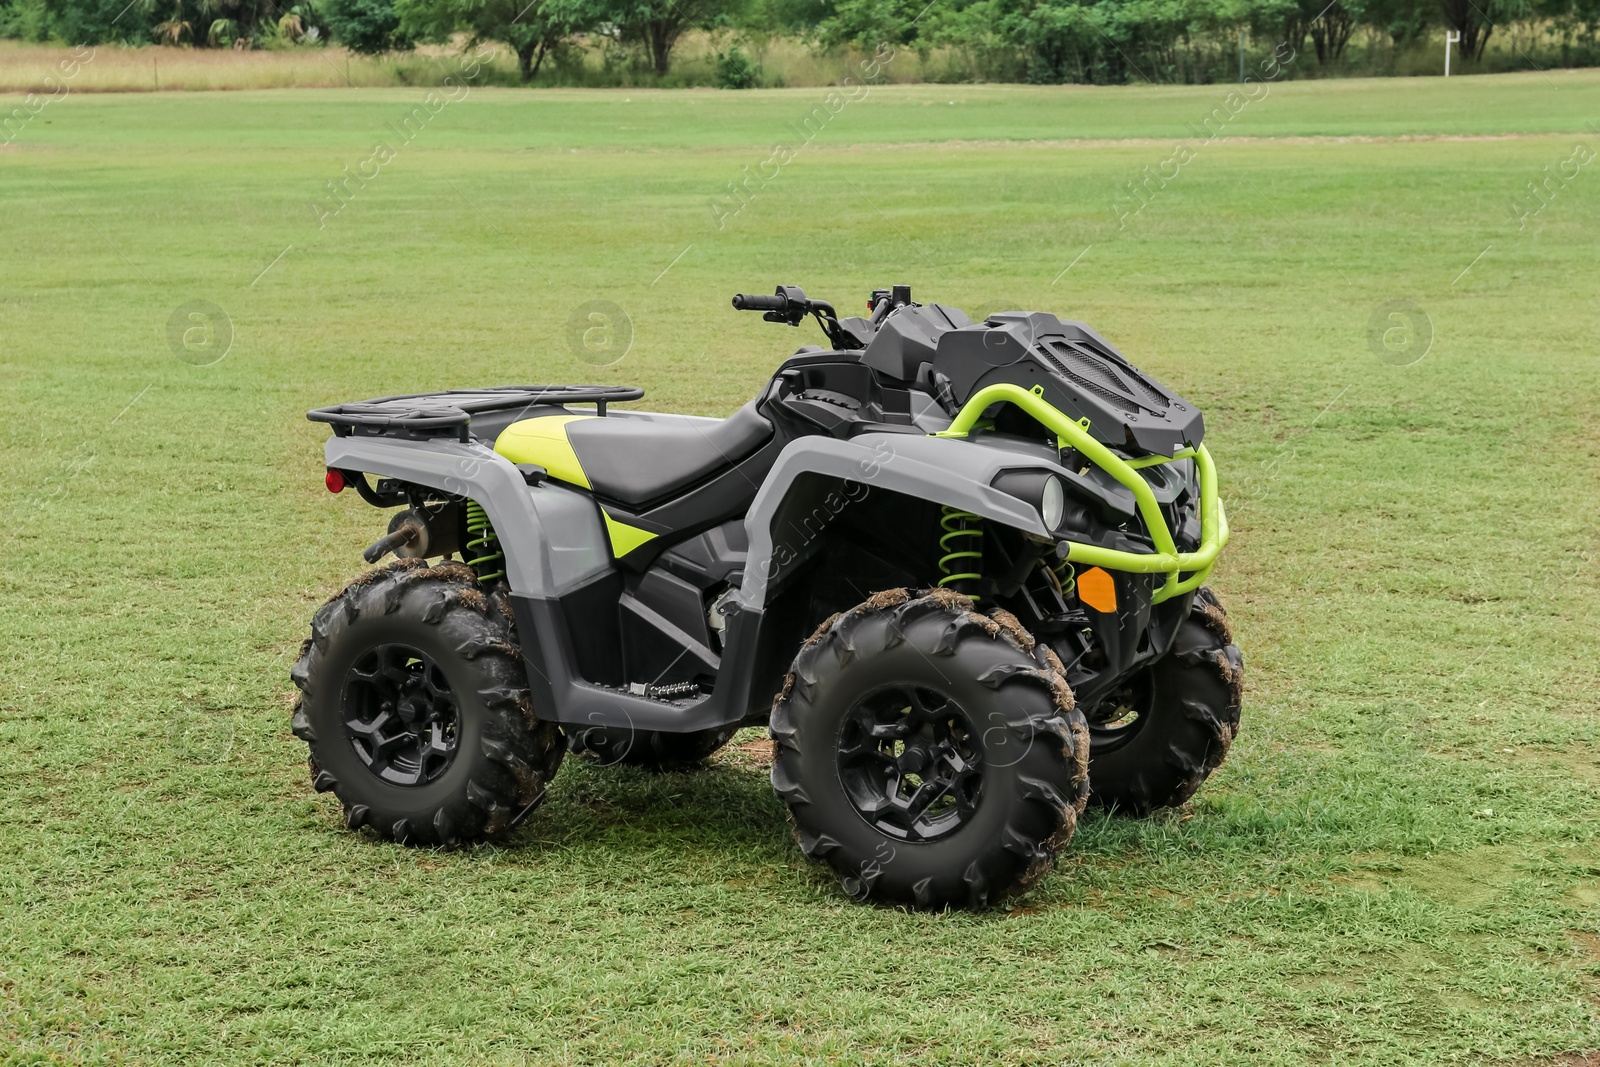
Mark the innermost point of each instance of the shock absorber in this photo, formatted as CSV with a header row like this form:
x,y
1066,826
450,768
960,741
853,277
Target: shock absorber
x,y
483,552
1066,579
960,551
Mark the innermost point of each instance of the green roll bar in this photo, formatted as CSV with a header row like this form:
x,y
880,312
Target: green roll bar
x,y
1166,559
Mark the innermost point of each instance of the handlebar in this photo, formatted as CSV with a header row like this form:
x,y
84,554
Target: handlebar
x,y
790,305
744,302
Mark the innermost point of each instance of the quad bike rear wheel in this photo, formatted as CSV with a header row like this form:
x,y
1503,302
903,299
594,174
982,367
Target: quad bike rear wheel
x,y
929,754
414,704
650,748
1157,738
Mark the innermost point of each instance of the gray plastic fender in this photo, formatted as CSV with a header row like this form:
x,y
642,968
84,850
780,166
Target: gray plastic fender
x,y
945,470
552,537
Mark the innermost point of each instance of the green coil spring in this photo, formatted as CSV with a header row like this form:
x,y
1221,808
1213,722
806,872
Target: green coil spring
x,y
1066,580
483,547
961,551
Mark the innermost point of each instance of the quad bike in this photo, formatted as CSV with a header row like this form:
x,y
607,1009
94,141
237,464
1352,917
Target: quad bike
x,y
957,568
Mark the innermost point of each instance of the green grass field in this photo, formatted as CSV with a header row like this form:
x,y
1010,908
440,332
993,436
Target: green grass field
x,y
1398,864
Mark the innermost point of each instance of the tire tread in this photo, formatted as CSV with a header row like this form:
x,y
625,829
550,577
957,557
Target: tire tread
x,y
1055,773
516,746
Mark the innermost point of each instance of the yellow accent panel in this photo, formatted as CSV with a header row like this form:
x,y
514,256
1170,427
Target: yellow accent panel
x,y
624,538
544,441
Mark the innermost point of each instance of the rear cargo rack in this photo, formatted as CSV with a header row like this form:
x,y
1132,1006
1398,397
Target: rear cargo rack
x,y
420,416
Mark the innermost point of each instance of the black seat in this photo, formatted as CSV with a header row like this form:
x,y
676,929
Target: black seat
x,y
646,459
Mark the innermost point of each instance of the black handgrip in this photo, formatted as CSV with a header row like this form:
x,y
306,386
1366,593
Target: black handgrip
x,y
743,302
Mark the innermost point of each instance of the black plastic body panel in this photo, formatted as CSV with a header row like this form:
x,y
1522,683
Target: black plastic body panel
x,y
1136,634
1077,371
714,557
909,337
561,693
665,634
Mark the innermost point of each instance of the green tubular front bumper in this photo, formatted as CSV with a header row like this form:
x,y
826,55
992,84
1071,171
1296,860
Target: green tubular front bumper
x,y
1166,559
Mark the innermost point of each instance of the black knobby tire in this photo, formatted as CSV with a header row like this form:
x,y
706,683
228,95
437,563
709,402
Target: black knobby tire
x,y
651,749
414,704
987,718
1154,743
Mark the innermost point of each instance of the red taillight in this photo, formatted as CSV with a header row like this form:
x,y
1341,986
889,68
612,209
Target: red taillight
x,y
334,481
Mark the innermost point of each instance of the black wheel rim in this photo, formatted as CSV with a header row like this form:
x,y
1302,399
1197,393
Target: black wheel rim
x,y
1120,717
911,762
400,715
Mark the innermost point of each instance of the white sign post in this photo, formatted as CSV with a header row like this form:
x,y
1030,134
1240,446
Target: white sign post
x,y
1450,37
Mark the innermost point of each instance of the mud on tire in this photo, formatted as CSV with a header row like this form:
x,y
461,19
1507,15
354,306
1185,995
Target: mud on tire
x,y
1172,724
964,710
414,704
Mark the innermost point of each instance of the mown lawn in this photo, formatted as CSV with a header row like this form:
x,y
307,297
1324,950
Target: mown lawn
x,y
1399,863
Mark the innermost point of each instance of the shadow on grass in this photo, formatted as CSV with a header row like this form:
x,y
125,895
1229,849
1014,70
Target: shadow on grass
x,y
627,808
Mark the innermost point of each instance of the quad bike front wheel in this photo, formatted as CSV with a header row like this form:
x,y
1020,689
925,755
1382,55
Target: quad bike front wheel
x,y
1157,738
414,704
929,754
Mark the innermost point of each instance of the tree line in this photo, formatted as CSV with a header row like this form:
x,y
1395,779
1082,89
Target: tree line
x,y
1042,41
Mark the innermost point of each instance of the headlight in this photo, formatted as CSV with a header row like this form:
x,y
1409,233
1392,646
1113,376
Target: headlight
x,y
1043,490
1053,505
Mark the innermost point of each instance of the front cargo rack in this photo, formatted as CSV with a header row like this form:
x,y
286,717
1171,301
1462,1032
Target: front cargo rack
x,y
419,416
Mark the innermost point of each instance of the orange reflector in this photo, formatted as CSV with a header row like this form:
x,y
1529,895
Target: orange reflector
x,y
1097,589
